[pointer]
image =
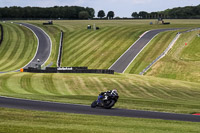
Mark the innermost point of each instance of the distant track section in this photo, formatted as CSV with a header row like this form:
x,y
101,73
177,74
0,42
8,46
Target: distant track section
x,y
127,58
83,109
166,50
44,45
162,55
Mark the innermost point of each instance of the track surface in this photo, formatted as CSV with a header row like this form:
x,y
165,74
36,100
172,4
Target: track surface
x,y
44,45
125,60
81,109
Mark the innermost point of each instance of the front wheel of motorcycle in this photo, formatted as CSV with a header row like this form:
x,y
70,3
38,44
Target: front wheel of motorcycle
x,y
110,104
94,104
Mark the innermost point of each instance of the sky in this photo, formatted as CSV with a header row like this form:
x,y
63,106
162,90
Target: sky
x,y
121,8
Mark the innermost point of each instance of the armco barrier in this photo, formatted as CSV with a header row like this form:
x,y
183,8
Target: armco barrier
x,y
1,39
60,49
68,70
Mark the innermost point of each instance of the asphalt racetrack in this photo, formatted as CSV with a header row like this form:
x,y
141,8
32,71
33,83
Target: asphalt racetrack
x,y
44,45
125,60
44,49
83,109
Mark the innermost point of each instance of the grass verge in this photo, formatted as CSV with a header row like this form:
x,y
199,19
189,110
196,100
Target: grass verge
x,y
14,121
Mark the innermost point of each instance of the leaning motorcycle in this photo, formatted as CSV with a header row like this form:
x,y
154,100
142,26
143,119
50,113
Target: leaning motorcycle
x,y
106,101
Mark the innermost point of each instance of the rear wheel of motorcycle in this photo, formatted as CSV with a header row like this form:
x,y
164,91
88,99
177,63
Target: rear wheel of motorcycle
x,y
94,104
109,105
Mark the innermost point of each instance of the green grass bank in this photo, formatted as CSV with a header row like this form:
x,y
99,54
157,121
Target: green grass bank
x,y
182,62
18,47
136,92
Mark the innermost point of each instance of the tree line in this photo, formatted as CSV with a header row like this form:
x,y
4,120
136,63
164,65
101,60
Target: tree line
x,y
188,12
62,12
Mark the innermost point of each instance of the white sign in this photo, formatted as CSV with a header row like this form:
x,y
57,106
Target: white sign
x,y
65,68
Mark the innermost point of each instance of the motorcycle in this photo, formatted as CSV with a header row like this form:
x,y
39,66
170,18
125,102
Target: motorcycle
x,y
106,101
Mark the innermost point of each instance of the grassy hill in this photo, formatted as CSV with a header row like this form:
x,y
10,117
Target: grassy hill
x,y
18,47
136,92
182,62
100,48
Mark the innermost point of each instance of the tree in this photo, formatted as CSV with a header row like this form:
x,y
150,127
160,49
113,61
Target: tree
x,y
101,14
135,15
110,14
83,15
143,14
91,12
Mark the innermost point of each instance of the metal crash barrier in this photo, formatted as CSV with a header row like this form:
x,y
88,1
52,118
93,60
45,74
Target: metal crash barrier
x,y
68,70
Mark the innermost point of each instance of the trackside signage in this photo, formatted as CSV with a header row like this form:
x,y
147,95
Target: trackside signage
x,y
64,68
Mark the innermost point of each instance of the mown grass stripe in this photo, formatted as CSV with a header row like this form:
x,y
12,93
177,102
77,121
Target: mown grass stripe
x,y
83,86
61,86
75,38
101,58
99,53
8,47
25,82
76,86
95,85
49,85
4,84
76,50
5,44
121,88
83,51
38,84
30,47
15,52
17,48
101,86
16,86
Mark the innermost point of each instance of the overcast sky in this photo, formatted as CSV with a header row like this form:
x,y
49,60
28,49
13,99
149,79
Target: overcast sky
x,y
122,8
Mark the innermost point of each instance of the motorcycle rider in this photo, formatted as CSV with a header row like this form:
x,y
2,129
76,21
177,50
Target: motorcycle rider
x,y
106,99
104,95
